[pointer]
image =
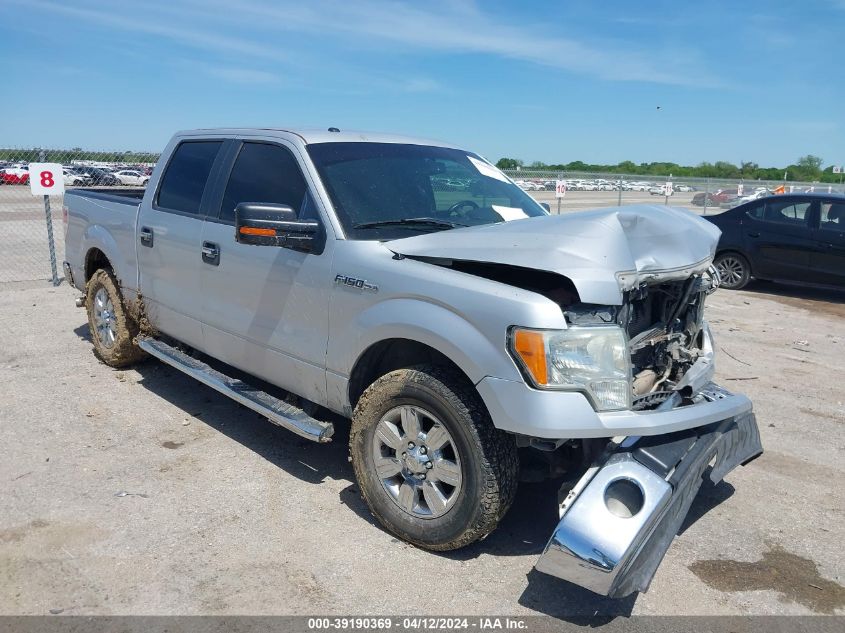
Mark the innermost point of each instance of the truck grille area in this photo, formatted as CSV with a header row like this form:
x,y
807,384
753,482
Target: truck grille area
x,y
664,323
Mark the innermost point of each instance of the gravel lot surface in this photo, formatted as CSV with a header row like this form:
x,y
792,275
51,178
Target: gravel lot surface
x,y
143,492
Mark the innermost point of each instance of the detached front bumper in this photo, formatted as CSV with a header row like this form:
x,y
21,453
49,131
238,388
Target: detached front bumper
x,y
618,521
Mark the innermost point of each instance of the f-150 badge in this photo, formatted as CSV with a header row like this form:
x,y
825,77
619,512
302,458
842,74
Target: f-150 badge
x,y
352,282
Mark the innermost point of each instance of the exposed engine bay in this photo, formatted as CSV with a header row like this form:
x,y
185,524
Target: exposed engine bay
x,y
664,323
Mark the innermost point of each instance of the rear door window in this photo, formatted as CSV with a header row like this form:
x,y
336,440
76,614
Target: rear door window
x,y
832,216
185,178
757,211
264,173
787,212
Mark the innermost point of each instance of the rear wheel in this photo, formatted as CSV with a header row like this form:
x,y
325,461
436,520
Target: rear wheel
x,y
733,269
431,467
113,330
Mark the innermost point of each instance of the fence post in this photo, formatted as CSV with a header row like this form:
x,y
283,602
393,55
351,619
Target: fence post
x,y
559,177
706,194
619,202
51,244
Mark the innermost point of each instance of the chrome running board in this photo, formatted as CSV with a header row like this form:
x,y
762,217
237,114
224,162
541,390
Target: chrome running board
x,y
277,411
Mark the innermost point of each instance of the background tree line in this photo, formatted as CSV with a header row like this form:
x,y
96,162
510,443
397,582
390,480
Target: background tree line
x,y
66,156
807,169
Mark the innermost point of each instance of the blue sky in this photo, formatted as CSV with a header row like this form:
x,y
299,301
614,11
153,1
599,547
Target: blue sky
x,y
549,81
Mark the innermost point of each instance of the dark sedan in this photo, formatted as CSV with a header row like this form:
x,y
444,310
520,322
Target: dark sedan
x,y
790,237
99,177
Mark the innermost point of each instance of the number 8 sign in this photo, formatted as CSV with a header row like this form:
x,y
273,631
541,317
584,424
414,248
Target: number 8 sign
x,y
46,179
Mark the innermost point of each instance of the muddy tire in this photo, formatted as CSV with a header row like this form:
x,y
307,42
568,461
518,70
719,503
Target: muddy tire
x,y
113,330
430,464
734,270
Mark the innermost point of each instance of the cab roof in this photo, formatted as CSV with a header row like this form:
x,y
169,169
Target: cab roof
x,y
313,135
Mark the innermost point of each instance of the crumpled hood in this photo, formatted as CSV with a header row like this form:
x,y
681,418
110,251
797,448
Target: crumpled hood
x,y
603,252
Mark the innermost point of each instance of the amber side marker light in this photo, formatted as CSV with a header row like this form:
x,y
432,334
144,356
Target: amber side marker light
x,y
532,350
251,230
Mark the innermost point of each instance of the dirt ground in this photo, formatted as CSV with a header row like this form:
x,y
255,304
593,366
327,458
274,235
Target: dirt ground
x,y
143,492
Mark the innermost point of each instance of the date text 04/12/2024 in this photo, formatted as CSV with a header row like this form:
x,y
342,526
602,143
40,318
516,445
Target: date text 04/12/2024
x,y
480,623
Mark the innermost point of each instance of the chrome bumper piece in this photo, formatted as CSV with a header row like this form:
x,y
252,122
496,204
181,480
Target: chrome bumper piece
x,y
618,522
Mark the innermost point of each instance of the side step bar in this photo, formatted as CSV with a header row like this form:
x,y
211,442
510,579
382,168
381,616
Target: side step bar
x,y
277,411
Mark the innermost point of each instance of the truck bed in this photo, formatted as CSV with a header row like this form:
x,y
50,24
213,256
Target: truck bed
x,y
121,195
103,219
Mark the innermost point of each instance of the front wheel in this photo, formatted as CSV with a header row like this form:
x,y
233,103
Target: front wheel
x,y
430,464
733,269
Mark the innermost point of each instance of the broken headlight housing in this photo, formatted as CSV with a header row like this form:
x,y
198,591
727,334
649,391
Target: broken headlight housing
x,y
593,360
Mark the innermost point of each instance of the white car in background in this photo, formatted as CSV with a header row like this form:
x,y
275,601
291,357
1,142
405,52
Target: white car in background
x,y
75,178
131,177
759,192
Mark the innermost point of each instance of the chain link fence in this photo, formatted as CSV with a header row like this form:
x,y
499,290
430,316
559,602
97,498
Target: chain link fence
x,y
27,248
25,219
590,190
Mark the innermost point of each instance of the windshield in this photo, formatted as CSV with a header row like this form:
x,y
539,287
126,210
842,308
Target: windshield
x,y
391,190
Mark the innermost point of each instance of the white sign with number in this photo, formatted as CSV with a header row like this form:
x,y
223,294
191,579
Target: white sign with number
x,y
46,179
560,189
837,169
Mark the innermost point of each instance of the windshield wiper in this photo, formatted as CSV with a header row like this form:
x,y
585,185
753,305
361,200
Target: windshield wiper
x,y
446,224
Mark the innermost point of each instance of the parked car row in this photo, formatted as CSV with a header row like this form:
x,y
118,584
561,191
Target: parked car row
x,y
81,175
14,174
600,184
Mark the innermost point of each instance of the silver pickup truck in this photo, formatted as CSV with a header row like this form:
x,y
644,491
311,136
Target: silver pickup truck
x,y
471,337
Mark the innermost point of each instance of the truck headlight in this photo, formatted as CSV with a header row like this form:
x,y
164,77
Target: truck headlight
x,y
593,360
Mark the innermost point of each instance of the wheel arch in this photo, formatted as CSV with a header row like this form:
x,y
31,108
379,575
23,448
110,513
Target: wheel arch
x,y
100,246
387,355
95,258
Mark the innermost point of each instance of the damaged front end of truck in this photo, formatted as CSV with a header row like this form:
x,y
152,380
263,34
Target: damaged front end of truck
x,y
640,275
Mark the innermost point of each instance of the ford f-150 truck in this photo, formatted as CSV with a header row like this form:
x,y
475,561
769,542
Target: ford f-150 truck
x,y
470,336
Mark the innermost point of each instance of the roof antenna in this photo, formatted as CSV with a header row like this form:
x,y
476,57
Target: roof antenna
x,y
334,129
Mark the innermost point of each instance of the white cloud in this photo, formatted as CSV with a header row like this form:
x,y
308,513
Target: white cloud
x,y
131,20
437,26
462,27
232,74
421,84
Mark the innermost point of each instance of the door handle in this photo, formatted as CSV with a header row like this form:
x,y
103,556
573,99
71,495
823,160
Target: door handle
x,y
146,235
753,234
211,253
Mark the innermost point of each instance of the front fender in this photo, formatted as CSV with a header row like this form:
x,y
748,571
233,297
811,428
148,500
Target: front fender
x,y
427,323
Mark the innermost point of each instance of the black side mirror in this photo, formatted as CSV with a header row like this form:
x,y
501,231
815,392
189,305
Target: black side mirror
x,y
264,224
546,206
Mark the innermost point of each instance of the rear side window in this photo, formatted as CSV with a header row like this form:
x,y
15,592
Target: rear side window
x,y
187,172
832,216
264,173
786,212
756,211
